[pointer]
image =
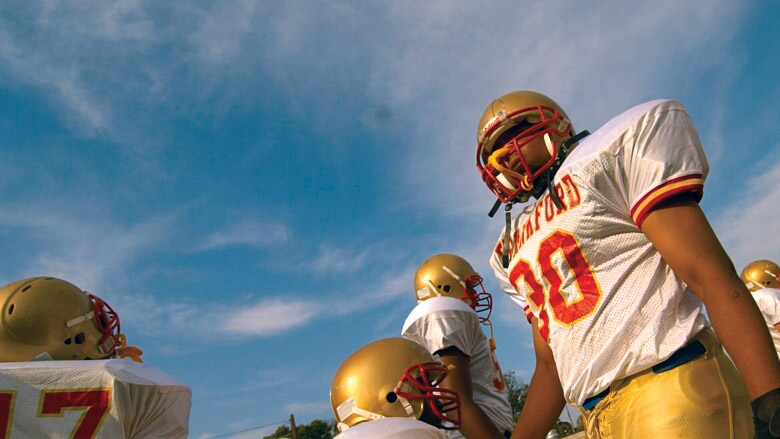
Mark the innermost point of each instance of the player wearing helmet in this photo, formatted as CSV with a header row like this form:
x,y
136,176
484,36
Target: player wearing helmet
x,y
761,274
614,261
55,319
390,388
45,318
451,303
761,278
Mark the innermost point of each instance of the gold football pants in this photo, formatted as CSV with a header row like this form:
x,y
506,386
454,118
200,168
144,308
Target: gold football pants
x,y
703,398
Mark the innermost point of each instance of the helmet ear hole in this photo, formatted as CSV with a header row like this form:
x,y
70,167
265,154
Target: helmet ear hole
x,y
446,288
80,338
11,309
391,397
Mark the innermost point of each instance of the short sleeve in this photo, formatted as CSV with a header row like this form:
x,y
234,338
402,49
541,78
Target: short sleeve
x,y
662,156
439,327
768,301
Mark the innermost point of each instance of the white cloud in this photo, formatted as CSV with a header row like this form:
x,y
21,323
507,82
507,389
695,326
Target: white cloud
x,y
595,61
72,50
269,317
331,259
749,228
81,246
247,233
218,39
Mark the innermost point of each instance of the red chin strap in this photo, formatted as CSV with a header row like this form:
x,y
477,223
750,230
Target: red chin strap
x,y
444,403
508,187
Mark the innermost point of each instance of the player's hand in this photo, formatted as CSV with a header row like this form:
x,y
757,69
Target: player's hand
x,y
766,415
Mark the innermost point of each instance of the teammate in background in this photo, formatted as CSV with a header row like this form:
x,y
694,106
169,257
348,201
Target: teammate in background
x,y
390,389
762,278
451,304
44,319
761,274
614,261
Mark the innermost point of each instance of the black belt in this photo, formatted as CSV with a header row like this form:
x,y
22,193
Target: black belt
x,y
681,356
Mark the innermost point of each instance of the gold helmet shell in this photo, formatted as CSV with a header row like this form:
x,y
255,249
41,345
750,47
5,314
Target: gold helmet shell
x,y
761,274
392,377
508,126
450,275
46,315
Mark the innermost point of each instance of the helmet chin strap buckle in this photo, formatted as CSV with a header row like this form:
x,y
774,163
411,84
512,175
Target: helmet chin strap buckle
x,y
349,408
505,251
494,209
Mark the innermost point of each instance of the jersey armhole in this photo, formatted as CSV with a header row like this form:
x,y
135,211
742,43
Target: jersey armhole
x,y
693,183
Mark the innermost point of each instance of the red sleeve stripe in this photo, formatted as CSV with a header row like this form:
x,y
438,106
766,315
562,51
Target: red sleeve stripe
x,y
689,183
528,313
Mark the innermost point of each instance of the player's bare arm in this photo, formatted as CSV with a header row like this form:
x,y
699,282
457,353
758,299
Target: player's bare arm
x,y
683,236
545,401
474,422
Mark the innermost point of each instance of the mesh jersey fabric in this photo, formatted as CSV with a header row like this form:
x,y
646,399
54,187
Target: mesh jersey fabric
x,y
441,322
103,399
768,301
606,302
390,428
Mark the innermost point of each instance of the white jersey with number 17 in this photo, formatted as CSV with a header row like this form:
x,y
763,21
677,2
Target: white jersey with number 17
x,y
101,399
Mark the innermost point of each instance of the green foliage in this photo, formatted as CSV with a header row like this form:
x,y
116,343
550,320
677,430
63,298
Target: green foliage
x,y
516,392
563,428
283,431
316,429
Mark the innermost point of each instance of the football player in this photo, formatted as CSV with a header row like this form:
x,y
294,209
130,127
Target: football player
x,y
390,389
47,327
761,278
615,261
451,304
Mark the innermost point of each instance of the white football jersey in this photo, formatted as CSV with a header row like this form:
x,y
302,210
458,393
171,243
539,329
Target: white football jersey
x,y
606,302
102,399
390,428
768,301
442,322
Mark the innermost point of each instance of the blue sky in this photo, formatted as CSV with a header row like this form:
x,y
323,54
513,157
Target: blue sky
x,y
251,185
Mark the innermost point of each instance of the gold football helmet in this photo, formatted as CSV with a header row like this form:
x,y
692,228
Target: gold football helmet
x,y
392,377
507,156
761,274
452,276
45,315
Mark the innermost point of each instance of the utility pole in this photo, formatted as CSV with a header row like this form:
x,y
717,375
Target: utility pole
x,y
292,427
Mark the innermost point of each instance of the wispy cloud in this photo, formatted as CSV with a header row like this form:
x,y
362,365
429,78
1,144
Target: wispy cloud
x,y
749,228
331,259
73,50
270,317
83,247
597,72
251,233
